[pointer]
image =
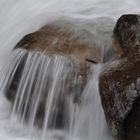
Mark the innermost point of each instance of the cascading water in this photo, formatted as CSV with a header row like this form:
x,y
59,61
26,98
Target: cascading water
x,y
42,90
84,121
39,85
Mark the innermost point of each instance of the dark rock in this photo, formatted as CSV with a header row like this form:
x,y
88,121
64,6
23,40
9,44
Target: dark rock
x,y
126,34
119,83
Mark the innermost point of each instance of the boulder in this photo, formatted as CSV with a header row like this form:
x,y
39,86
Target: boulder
x,y
119,82
67,40
57,39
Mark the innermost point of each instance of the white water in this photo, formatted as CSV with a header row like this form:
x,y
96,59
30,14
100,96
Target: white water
x,y
19,17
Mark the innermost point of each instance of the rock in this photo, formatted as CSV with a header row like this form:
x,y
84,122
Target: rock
x,y
119,82
66,40
71,42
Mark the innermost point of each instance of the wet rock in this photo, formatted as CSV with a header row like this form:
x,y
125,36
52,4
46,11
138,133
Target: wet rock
x,y
120,80
65,39
73,42
77,45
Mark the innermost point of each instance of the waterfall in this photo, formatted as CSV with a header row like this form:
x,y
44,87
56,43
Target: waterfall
x,y
42,88
90,123
39,85
46,85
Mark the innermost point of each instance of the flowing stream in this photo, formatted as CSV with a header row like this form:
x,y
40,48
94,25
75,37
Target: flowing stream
x,y
86,121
